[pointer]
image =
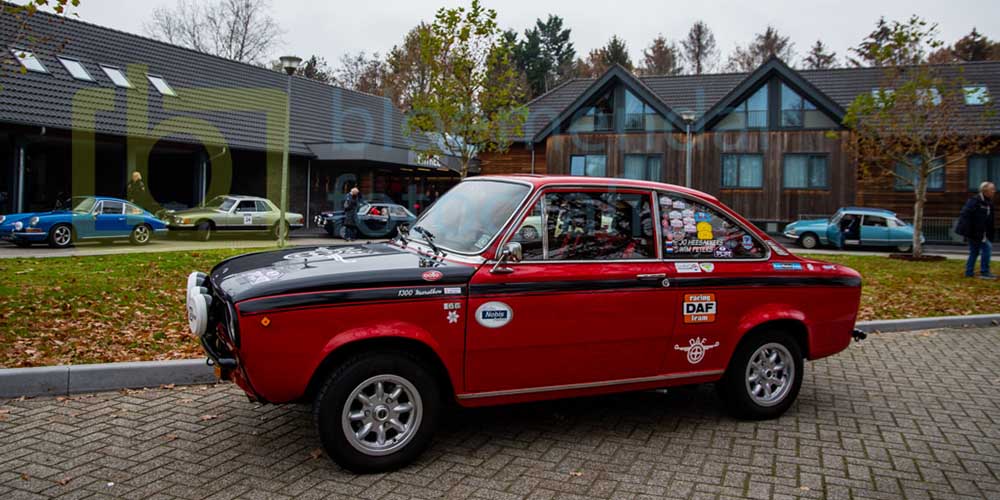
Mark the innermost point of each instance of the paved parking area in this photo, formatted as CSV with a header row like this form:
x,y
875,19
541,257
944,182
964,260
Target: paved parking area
x,y
905,415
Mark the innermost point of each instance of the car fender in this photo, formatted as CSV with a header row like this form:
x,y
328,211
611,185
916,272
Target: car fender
x,y
389,330
770,312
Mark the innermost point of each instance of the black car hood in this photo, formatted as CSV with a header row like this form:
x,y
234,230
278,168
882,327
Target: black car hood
x,y
309,269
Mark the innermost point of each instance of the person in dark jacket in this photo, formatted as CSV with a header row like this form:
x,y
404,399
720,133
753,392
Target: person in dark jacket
x,y
976,223
136,188
351,204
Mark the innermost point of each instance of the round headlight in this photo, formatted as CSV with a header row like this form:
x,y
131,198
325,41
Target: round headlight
x,y
2,218
33,221
18,226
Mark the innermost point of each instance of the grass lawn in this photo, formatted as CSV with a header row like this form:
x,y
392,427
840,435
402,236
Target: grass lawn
x,y
131,307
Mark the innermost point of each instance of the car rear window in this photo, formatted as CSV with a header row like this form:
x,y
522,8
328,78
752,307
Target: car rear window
x,y
694,229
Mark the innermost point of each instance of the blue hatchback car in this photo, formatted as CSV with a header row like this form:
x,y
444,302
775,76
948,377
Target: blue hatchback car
x,y
854,226
84,218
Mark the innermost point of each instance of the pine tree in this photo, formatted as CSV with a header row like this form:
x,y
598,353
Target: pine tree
x,y
699,49
819,57
661,58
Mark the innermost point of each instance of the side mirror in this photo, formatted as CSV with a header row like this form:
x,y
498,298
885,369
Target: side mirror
x,y
511,253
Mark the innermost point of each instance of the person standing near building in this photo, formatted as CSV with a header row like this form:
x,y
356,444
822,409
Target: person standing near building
x,y
351,204
136,187
976,222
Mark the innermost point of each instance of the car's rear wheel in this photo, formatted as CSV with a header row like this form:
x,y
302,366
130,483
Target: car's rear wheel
x,y
140,235
377,412
203,230
904,248
809,241
61,236
764,376
280,229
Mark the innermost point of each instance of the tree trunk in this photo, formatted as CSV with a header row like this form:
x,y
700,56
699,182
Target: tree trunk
x,y
918,215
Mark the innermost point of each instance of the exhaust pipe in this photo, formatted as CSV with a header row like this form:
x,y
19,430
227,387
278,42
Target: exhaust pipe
x,y
858,335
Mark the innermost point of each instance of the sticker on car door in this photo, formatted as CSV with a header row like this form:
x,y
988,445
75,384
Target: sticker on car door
x,y
699,308
494,314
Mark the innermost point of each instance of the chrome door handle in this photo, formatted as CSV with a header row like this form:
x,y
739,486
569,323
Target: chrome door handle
x,y
650,277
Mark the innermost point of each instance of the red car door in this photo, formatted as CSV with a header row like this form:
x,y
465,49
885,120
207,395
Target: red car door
x,y
716,265
586,305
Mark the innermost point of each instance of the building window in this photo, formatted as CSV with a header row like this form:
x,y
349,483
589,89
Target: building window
x,y
983,168
742,171
751,113
976,95
644,167
117,77
935,181
161,85
588,165
597,117
932,94
805,171
29,61
76,69
641,116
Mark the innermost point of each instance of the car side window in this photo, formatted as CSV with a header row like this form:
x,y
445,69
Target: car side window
x,y
693,229
262,206
247,206
588,225
111,208
874,220
397,211
131,209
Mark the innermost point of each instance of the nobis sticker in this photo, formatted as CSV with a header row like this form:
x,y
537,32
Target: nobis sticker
x,y
494,314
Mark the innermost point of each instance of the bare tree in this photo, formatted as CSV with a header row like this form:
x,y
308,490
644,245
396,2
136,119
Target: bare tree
x,y
764,45
699,49
362,73
820,57
661,58
241,30
406,75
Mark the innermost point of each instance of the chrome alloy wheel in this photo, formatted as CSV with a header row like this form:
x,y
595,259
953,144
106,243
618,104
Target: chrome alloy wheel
x,y
770,374
382,415
141,234
62,235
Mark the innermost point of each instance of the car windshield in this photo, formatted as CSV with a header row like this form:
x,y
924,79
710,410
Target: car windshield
x,y
223,203
469,216
83,204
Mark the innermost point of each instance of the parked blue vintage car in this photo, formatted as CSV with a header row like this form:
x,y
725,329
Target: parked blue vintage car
x,y
83,218
854,226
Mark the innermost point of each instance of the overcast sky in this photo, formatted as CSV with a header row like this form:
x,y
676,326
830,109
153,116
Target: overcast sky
x,y
331,28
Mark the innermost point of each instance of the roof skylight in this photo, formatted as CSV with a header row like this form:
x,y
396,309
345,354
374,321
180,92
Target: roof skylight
x,y
76,69
29,61
117,77
161,85
976,95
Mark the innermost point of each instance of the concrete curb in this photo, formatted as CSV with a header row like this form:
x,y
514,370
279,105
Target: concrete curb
x,y
73,379
903,325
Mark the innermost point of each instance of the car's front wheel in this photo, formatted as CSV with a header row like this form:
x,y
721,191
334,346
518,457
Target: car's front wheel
x,y
809,241
764,376
140,235
377,412
60,236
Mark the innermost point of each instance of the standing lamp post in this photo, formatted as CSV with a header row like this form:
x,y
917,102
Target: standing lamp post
x,y
289,64
688,118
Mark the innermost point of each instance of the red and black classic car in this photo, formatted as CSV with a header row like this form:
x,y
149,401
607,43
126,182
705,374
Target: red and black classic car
x,y
620,286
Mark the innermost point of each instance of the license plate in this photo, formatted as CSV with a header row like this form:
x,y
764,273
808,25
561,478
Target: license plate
x,y
218,372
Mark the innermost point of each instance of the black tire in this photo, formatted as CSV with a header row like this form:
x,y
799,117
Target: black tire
x,y
203,230
276,230
808,241
904,248
330,228
529,233
342,232
141,234
61,236
735,388
329,410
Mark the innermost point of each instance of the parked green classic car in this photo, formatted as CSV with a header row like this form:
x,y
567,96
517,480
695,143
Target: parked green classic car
x,y
231,213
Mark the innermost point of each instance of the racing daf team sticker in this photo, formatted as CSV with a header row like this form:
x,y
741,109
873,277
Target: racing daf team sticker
x,y
699,308
494,314
696,349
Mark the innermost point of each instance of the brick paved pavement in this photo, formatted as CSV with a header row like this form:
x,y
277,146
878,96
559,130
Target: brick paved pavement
x,y
903,415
